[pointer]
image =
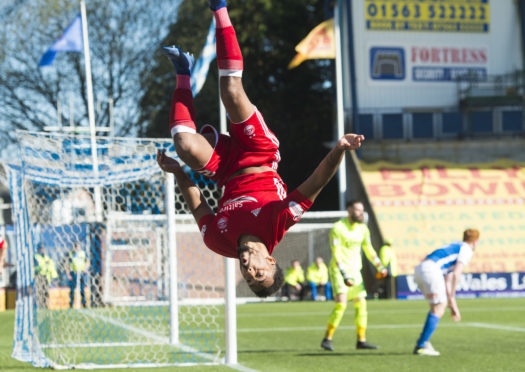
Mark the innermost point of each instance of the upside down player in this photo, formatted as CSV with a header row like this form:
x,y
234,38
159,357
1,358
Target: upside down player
x,y
255,210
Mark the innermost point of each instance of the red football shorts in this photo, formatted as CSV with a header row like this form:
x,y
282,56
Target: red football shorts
x,y
250,144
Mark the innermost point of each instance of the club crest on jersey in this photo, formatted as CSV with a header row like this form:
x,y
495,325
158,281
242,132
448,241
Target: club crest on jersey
x,y
255,212
296,210
203,230
249,130
222,224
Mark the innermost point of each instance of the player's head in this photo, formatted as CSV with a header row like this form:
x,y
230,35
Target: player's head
x,y
319,261
260,270
471,236
356,210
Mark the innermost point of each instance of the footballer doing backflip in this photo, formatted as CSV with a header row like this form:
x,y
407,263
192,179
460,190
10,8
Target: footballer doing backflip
x,y
255,211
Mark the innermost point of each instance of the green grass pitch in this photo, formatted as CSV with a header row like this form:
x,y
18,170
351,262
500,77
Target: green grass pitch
x,y
286,336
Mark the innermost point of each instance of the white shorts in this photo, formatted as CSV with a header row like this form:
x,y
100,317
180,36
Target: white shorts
x,y
431,282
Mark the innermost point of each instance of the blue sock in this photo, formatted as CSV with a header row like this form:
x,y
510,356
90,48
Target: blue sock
x,y
428,329
216,4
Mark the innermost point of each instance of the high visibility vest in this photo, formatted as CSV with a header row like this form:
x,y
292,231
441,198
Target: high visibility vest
x,y
294,276
78,261
45,267
316,274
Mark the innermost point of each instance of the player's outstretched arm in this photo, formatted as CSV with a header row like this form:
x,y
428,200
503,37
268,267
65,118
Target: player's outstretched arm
x,y
191,193
328,166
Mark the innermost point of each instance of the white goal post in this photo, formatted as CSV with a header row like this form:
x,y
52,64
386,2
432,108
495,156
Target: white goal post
x,y
130,285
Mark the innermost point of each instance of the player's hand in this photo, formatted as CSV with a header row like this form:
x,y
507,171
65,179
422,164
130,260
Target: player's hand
x,y
381,274
349,282
351,141
454,310
455,314
166,163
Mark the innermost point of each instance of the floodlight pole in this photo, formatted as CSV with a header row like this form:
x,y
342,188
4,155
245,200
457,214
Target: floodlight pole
x,y
91,111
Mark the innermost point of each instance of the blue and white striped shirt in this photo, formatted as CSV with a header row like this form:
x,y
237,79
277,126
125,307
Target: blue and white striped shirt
x,y
447,257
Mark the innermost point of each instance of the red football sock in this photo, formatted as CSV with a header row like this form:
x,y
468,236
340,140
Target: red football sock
x,y
229,56
182,112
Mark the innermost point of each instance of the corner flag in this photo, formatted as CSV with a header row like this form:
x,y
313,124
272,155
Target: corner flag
x,y
208,54
318,44
70,41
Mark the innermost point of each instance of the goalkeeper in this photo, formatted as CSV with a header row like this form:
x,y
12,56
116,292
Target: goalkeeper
x,y
255,210
347,238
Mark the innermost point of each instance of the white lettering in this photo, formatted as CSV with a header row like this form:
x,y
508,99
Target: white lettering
x,y
483,283
515,282
429,74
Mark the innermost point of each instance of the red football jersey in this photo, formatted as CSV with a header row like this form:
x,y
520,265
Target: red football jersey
x,y
250,144
254,204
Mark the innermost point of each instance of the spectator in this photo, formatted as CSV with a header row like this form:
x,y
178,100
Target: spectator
x,y
317,276
45,272
293,281
77,269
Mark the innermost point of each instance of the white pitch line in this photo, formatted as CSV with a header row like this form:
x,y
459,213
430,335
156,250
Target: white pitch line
x,y
240,367
165,340
495,326
375,311
382,326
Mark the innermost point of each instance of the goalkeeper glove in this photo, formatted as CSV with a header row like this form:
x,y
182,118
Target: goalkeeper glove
x,y
348,280
381,270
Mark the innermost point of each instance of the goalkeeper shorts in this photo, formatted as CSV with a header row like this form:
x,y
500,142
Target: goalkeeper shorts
x,y
339,286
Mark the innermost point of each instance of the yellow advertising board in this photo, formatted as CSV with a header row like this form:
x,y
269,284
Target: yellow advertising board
x,y
425,205
428,15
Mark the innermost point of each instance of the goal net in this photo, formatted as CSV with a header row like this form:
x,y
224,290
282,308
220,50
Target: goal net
x,y
111,269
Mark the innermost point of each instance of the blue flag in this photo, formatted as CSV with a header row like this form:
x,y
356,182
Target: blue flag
x,y
70,41
200,70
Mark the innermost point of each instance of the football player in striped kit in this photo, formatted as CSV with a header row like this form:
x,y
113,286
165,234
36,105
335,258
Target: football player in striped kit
x,y
437,277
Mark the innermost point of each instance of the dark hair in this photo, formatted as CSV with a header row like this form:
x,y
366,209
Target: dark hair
x,y
278,280
352,202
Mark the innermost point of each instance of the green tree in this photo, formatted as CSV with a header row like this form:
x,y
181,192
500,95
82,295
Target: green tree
x,y
123,37
297,104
